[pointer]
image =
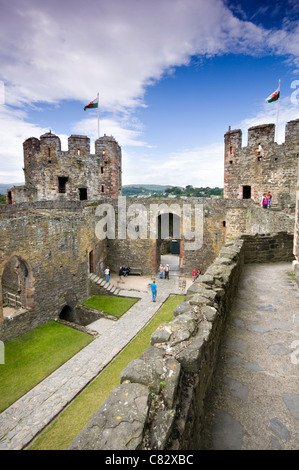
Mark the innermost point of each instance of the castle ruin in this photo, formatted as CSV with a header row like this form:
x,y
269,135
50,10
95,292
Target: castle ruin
x,y
48,240
49,247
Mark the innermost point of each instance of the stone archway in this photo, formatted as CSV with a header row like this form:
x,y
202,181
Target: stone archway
x,y
168,246
67,313
17,283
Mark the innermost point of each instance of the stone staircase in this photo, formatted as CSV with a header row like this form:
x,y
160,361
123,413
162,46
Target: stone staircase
x,y
106,286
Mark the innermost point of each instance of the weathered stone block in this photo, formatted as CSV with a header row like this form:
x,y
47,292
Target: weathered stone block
x,y
137,371
181,308
209,312
161,335
161,429
172,378
119,423
154,356
199,300
190,357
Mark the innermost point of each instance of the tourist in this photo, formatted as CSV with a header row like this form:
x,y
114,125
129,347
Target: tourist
x,y
166,271
193,275
161,270
107,274
265,201
121,273
154,290
269,196
198,273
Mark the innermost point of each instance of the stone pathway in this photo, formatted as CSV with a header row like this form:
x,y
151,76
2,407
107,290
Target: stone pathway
x,y
23,420
255,394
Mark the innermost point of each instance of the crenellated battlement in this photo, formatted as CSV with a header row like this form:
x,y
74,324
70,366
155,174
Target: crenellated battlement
x,y
263,165
74,174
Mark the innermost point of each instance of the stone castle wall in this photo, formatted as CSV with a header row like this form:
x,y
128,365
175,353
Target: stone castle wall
x,y
262,165
221,219
56,248
56,243
160,402
75,174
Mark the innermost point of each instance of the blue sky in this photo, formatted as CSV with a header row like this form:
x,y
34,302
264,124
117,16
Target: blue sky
x,y
172,76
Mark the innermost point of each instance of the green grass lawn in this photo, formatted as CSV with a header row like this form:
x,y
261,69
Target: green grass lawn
x,y
34,355
62,431
112,305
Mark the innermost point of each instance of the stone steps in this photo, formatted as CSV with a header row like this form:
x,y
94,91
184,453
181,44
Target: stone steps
x,y
103,283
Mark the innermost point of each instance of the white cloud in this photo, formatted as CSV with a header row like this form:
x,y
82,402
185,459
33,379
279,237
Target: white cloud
x,y
200,166
126,133
56,50
288,110
14,130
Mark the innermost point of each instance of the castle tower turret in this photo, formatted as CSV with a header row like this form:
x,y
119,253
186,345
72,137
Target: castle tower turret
x,y
109,153
79,145
292,134
232,148
31,150
261,135
50,147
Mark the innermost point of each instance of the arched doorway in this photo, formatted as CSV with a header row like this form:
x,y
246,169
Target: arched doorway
x,y
168,242
67,313
17,284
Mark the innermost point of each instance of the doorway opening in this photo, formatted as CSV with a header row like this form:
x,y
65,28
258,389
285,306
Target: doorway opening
x,y
83,194
246,192
168,242
17,284
91,261
62,180
67,314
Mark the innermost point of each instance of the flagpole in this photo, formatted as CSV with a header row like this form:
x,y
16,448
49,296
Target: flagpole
x,y
277,111
98,115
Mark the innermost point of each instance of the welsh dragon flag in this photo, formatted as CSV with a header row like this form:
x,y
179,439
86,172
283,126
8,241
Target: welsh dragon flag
x,y
274,96
92,104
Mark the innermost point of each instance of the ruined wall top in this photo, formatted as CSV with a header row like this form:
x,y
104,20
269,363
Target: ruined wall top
x,y
263,165
265,133
75,142
54,174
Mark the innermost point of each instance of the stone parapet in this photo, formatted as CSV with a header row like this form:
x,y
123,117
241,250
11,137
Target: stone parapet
x,y
174,374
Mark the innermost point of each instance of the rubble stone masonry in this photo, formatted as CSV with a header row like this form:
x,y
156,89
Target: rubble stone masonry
x,y
262,165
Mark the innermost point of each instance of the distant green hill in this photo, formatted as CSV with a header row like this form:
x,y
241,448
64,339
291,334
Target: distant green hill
x,y
4,187
156,190
142,189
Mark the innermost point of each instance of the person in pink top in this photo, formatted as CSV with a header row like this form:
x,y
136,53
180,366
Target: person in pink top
x,y
265,201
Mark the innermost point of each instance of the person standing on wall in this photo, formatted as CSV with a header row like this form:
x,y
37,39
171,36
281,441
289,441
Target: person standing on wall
x,y
269,196
265,201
